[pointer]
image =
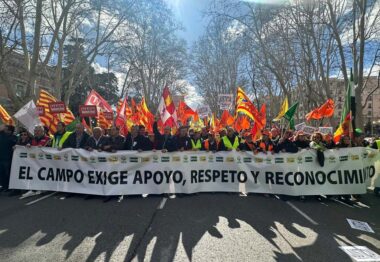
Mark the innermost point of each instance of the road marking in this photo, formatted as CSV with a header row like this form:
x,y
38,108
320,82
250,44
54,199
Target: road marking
x,y
302,213
41,198
341,202
162,203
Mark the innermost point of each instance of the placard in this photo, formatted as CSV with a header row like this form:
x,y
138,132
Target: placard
x,y
108,115
360,253
360,225
57,107
203,111
299,126
309,130
326,130
40,110
88,111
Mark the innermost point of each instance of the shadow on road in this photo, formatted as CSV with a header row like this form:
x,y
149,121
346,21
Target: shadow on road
x,y
183,221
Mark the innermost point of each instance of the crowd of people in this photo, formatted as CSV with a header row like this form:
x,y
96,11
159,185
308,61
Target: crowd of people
x,y
186,139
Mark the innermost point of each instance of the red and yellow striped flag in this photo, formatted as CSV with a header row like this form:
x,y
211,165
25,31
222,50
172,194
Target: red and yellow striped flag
x,y
5,117
146,117
51,120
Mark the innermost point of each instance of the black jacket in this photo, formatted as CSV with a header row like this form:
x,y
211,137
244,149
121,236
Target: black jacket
x,y
71,141
288,146
302,144
246,147
138,143
183,142
91,143
116,143
164,142
7,142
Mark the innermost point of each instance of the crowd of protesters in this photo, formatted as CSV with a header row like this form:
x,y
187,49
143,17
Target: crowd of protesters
x,y
186,139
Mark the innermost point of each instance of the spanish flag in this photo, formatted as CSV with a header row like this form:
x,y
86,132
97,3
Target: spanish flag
x,y
284,108
345,125
5,117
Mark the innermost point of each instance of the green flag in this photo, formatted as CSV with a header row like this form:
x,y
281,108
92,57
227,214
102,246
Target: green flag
x,y
291,111
71,127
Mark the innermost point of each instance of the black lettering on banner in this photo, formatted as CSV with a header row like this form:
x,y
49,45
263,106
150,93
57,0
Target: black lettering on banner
x,y
371,171
287,181
255,175
148,175
91,179
279,178
233,174
138,178
193,175
242,177
39,173
60,176
201,176
310,177
340,177
50,175
224,176
215,175
158,178
123,177
177,177
78,176
349,177
69,174
208,175
21,172
113,179
99,179
269,178
299,178
331,181
167,176
24,174
361,180
320,177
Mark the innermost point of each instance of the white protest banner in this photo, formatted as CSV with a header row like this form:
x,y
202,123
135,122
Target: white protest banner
x,y
28,116
300,126
309,129
360,225
346,171
326,130
360,253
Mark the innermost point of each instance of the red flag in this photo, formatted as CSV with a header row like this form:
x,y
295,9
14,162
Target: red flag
x,y
226,119
242,123
184,112
166,109
94,99
325,110
121,118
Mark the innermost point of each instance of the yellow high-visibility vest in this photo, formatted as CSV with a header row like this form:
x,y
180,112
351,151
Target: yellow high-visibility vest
x,y
197,145
228,144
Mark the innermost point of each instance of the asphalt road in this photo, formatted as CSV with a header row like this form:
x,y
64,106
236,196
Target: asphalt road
x,y
203,227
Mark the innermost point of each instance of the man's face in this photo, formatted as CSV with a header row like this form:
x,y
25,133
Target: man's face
x,y
167,130
211,137
114,131
183,132
39,132
97,132
230,132
60,128
142,131
204,131
197,135
134,131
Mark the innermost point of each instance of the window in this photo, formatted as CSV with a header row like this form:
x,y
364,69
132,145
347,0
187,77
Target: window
x,y
369,113
369,105
20,90
340,99
339,106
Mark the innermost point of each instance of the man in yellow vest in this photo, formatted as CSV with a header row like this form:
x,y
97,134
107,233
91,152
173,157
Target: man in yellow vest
x,y
230,141
196,141
376,144
60,136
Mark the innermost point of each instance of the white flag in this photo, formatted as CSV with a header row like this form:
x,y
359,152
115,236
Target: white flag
x,y
28,116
